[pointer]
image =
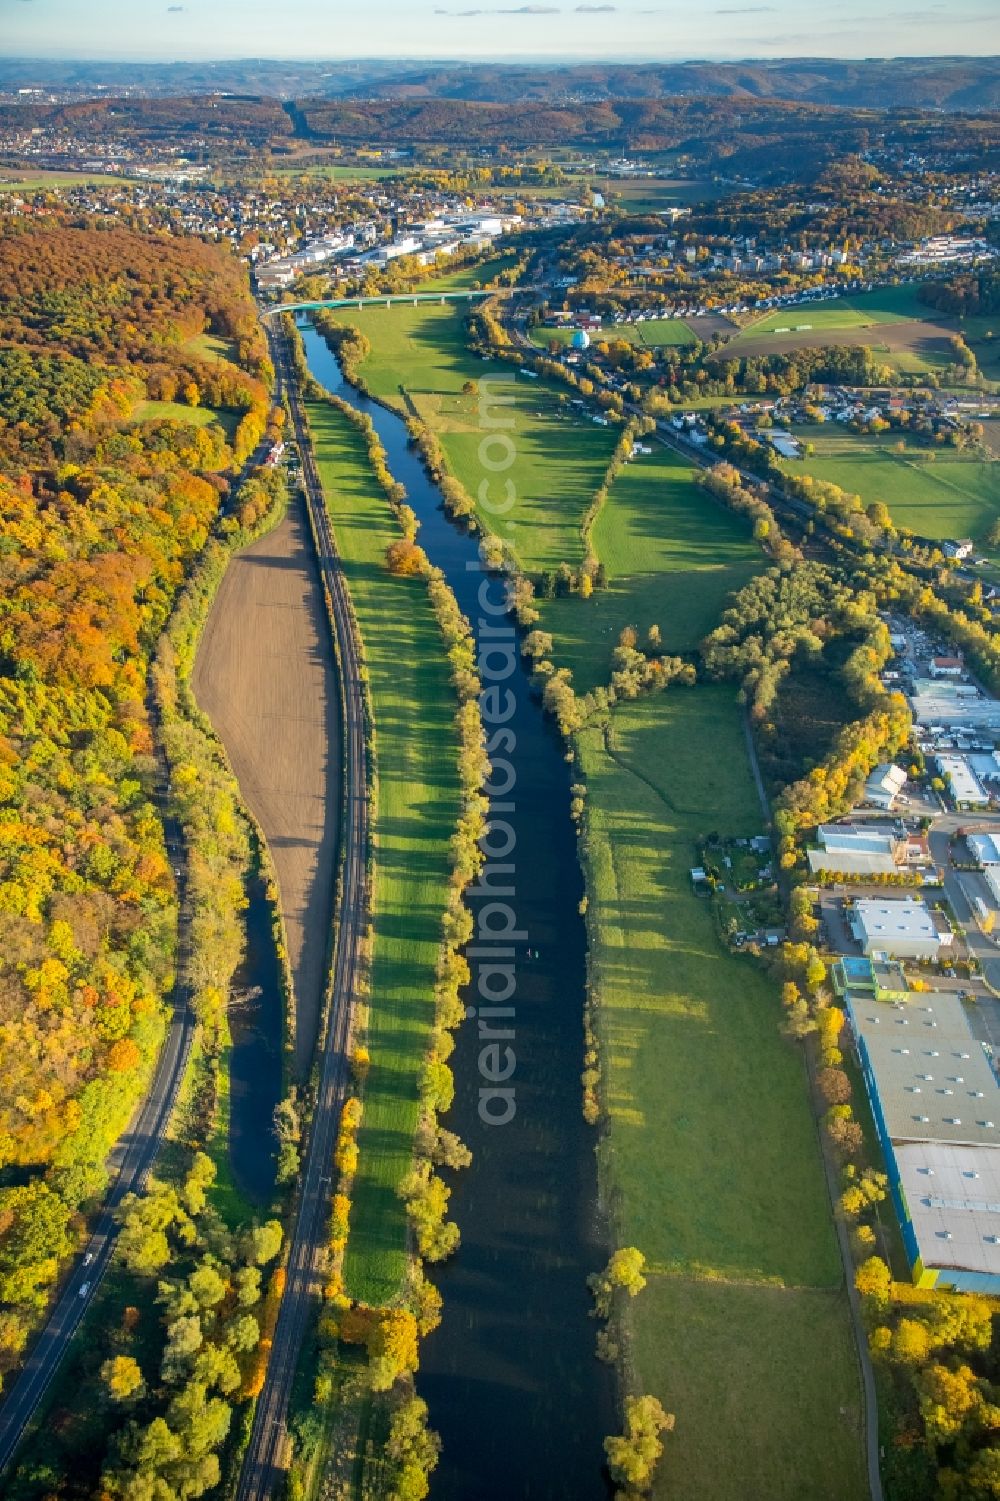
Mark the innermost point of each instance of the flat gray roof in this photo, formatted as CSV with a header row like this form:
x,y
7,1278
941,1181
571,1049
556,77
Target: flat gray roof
x,y
934,1080
953,1195
885,922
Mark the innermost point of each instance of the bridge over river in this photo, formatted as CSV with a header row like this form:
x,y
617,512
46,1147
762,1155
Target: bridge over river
x,y
387,299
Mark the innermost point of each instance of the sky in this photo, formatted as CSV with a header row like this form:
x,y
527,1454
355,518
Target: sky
x,y
647,30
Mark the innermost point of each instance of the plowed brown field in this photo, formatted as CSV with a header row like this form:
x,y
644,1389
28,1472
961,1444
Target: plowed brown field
x,y
265,676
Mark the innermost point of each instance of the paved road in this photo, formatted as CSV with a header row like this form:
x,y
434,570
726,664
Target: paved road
x,y
956,887
133,1157
264,1461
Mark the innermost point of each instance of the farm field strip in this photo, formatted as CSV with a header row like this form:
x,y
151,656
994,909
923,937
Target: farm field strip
x,y
418,805
265,659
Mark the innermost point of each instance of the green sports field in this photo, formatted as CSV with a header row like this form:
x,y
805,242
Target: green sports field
x,y
672,555
420,363
902,332
654,333
936,493
883,305
418,806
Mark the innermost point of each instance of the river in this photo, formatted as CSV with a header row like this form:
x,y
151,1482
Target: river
x,y
511,1378
256,1025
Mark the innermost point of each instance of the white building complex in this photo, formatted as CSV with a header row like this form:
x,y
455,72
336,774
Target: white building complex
x,y
852,851
902,929
965,787
953,705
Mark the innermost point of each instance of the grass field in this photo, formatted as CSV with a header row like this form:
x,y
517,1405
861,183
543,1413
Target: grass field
x,y
174,411
672,556
228,418
418,805
640,195
712,1158
901,331
982,334
34,181
935,492
648,195
655,333
469,276
420,362
765,1387
331,172
883,305
212,347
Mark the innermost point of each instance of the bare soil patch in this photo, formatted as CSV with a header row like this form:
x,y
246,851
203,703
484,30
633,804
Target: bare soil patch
x,y
924,342
265,676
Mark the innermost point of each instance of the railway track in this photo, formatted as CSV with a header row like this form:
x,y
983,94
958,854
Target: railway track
x,y
264,1461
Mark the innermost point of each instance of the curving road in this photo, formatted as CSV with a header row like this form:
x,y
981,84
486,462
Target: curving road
x,y
263,1464
134,1157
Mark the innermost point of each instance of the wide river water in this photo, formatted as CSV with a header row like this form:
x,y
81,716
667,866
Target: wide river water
x,y
513,1385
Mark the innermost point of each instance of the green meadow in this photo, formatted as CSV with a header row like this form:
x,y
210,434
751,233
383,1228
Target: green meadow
x,y
712,1157
934,492
673,556
413,706
554,459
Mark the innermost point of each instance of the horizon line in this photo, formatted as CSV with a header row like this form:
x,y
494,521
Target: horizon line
x,y
540,59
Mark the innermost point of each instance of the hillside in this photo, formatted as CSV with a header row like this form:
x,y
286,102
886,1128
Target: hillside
x,y
949,83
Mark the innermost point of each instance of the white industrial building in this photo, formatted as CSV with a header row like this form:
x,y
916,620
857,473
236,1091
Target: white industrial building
x,y
951,705
985,849
901,929
936,1105
847,850
884,785
965,787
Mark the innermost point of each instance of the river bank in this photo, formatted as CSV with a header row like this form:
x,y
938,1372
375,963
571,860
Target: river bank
x,y
709,1154
511,1379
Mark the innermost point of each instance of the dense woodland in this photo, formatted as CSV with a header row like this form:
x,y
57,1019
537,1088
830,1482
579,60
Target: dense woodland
x,y
970,293
769,138
101,515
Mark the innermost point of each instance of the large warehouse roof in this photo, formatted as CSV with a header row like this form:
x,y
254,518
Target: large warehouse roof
x,y
882,924
953,1195
934,1080
935,702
